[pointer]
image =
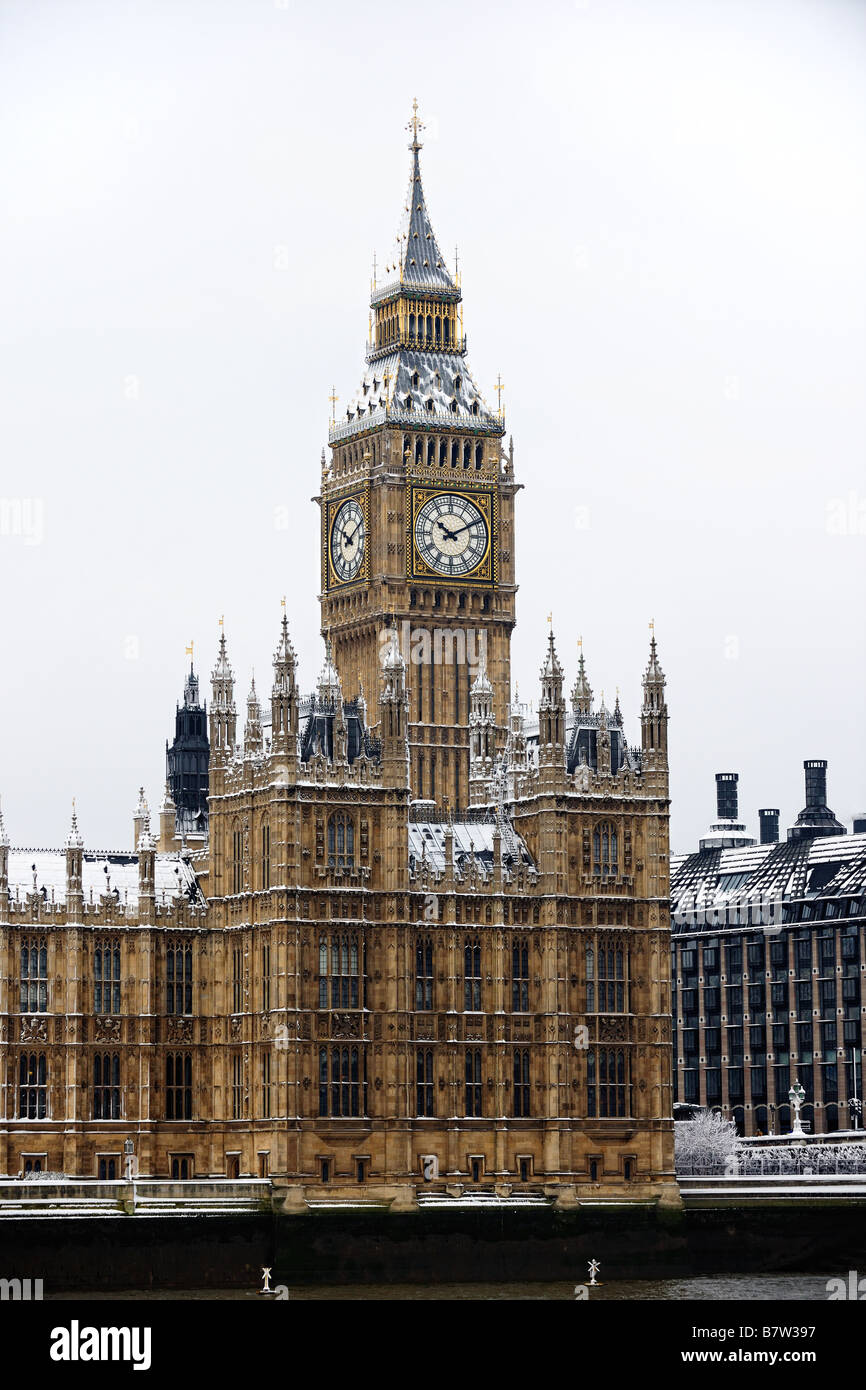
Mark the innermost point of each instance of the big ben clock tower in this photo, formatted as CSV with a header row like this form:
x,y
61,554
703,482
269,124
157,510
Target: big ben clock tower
x,y
417,513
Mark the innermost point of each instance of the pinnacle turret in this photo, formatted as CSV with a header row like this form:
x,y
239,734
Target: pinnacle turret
x,y
73,839
223,715
253,736
581,694
654,711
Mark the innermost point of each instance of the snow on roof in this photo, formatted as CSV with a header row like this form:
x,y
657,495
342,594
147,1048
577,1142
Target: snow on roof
x,y
470,838
829,866
46,869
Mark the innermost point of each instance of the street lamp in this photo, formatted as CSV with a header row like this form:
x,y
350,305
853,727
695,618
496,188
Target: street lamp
x,y
796,1096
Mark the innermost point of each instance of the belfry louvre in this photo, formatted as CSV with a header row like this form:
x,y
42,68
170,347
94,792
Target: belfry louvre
x,y
393,937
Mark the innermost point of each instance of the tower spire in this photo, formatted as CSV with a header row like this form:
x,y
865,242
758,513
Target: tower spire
x,y
581,694
654,711
223,715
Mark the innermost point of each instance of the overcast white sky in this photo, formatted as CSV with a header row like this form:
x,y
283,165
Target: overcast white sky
x,y
661,218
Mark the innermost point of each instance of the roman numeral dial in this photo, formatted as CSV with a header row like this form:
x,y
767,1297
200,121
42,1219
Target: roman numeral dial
x,y
451,534
348,541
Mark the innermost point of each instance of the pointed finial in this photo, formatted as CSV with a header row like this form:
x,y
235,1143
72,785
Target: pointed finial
x,y
333,398
73,839
499,388
283,602
550,619
189,651
415,124
4,838
222,620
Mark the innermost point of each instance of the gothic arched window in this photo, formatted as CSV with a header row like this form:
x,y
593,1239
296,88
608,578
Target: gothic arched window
x,y
342,1081
178,978
520,977
341,841
339,962
32,1086
424,1081
34,976
237,874
178,1086
472,977
521,1083
474,1093
266,854
605,850
106,977
424,974
106,1086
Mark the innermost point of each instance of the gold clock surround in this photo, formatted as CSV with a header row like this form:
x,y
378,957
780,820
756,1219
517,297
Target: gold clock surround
x,y
330,579
484,575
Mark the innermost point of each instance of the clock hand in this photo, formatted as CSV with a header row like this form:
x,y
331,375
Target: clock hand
x,y
443,527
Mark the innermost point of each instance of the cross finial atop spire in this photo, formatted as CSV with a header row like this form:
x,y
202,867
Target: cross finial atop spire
x,y
415,124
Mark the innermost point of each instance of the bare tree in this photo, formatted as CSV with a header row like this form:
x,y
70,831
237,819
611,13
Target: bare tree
x,y
704,1143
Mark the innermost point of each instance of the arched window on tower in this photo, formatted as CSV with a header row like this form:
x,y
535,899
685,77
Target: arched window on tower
x,y
424,973
605,850
472,976
341,841
266,854
237,860
520,977
446,332
106,1086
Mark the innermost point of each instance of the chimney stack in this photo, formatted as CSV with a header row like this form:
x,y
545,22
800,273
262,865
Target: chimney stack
x,y
728,831
816,782
816,818
860,824
769,821
726,795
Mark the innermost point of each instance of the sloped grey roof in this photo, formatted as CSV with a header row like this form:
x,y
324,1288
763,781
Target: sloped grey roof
x,y
832,867
443,379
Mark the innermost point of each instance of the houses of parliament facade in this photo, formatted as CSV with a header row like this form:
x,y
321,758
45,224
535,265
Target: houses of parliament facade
x,y
387,938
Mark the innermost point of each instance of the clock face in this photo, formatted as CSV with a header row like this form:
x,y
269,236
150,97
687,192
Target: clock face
x,y
451,534
348,540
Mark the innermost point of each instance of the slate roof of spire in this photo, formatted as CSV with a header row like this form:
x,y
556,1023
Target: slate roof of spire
x,y
421,261
445,394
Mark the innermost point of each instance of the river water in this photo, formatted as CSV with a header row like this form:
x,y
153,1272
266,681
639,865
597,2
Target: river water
x,y
753,1287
